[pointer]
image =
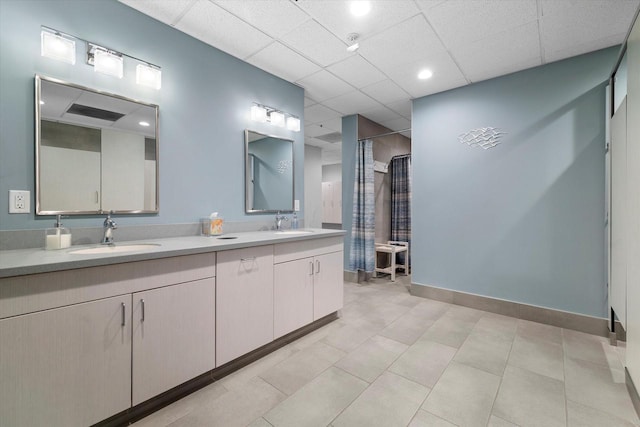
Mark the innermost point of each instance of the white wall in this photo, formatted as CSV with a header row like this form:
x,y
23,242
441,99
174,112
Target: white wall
x,y
123,180
331,173
312,187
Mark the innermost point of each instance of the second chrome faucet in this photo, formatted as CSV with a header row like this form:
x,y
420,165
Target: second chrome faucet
x,y
107,227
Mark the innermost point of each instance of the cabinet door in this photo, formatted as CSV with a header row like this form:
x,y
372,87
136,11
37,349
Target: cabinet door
x,y
69,366
173,336
244,315
292,295
328,286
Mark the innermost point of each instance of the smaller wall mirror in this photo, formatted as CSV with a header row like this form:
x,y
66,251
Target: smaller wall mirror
x,y
95,152
268,173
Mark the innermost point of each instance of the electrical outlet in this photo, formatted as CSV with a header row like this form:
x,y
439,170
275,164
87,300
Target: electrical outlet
x,y
296,205
19,201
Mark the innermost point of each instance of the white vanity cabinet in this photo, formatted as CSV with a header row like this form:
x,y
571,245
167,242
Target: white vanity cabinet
x,y
67,338
308,282
173,336
244,295
68,366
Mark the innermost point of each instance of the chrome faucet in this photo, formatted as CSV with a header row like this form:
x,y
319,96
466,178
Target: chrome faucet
x,y
279,219
108,227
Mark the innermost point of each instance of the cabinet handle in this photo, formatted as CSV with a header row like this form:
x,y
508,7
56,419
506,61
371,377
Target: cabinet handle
x,y
142,303
311,269
317,266
248,259
97,197
124,317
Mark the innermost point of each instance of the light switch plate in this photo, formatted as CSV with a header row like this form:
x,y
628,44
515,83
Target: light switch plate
x,y
19,201
296,205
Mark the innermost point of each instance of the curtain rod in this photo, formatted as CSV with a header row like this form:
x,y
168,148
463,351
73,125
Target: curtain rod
x,y
385,134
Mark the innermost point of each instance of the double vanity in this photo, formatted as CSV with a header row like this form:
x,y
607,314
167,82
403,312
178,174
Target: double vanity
x,y
91,333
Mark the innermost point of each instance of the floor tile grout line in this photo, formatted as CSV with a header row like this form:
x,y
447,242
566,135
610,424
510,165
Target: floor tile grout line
x,y
495,398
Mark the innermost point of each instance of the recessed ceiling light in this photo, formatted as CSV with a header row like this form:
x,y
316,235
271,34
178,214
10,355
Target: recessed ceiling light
x,y
145,124
425,74
360,8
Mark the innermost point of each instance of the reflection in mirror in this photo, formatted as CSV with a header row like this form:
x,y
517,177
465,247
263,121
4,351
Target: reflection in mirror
x,y
95,152
268,173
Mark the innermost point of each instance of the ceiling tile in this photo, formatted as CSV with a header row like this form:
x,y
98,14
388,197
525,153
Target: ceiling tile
x,y
446,75
308,102
336,17
316,43
334,124
324,85
385,92
570,28
397,124
318,113
501,53
402,44
351,103
311,131
231,34
357,71
379,115
164,11
283,62
459,22
401,107
275,18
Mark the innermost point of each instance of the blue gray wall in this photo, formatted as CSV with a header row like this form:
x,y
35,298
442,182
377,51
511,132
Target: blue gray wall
x,y
204,103
523,221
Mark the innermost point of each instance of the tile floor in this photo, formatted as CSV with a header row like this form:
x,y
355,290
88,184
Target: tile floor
x,y
393,359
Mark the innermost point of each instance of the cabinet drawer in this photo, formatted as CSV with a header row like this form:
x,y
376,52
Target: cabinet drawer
x,y
290,251
36,292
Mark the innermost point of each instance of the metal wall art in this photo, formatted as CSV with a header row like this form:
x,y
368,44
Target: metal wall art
x,y
487,137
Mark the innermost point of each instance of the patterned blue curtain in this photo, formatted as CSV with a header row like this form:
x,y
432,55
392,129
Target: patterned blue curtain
x,y
362,253
401,201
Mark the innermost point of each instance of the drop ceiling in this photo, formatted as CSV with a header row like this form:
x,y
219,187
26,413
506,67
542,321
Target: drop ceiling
x,y
461,41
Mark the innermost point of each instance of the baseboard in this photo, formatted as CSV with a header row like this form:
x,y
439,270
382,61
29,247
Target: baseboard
x,y
154,404
563,319
633,391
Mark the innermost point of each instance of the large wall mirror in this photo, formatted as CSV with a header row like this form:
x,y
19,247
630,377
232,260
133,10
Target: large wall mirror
x,y
95,152
268,173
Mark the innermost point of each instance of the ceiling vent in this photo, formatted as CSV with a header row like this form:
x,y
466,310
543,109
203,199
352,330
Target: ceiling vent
x,y
331,137
96,113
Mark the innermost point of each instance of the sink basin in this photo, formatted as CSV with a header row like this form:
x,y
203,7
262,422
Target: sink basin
x,y
117,249
290,232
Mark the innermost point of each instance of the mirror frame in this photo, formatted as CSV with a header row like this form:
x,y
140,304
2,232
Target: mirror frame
x,y
38,87
246,182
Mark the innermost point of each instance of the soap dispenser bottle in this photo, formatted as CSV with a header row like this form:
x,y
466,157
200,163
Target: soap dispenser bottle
x,y
294,221
57,237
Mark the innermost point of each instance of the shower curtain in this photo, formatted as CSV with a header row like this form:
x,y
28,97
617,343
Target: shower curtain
x,y
362,252
401,201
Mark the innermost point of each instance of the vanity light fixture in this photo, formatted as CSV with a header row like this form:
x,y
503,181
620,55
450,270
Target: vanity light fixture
x,y
56,45
61,46
425,74
277,118
147,75
360,8
108,62
263,114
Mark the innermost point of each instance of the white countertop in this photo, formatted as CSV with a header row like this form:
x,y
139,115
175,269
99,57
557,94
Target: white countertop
x,y
32,261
